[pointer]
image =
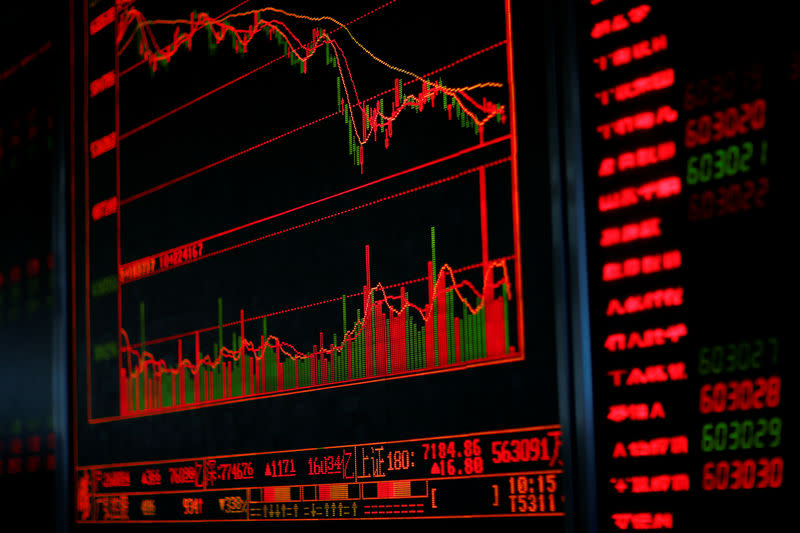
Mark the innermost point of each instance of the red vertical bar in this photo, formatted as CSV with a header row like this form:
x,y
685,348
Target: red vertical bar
x,y
515,212
181,378
367,330
242,350
401,334
333,359
324,370
197,366
457,338
296,372
380,338
495,328
430,361
314,360
368,316
396,93
484,225
441,319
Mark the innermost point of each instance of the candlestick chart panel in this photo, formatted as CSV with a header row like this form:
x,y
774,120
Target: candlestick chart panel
x,y
689,123
299,232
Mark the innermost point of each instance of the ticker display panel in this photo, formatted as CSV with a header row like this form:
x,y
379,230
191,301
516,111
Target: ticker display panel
x,y
299,232
689,119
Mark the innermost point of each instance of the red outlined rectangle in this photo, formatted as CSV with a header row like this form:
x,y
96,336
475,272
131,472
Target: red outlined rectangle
x,y
511,137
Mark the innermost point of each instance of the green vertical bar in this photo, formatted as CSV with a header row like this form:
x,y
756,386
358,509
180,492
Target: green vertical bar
x,y
423,347
475,336
463,338
188,386
141,390
215,353
248,386
464,332
465,352
344,316
482,332
470,337
388,345
166,389
219,321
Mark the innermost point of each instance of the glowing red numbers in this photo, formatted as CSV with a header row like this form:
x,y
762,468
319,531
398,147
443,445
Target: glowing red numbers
x,y
745,474
521,450
727,123
740,395
730,200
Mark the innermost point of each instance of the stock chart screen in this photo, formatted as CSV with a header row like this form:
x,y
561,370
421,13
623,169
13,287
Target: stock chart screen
x,y
690,113
312,264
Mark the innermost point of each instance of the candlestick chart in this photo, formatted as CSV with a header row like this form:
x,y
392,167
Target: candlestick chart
x,y
281,200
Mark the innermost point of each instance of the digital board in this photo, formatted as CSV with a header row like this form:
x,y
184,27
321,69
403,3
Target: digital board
x,y
301,280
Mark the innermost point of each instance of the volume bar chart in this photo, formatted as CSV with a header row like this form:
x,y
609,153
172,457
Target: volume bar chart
x,y
389,335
